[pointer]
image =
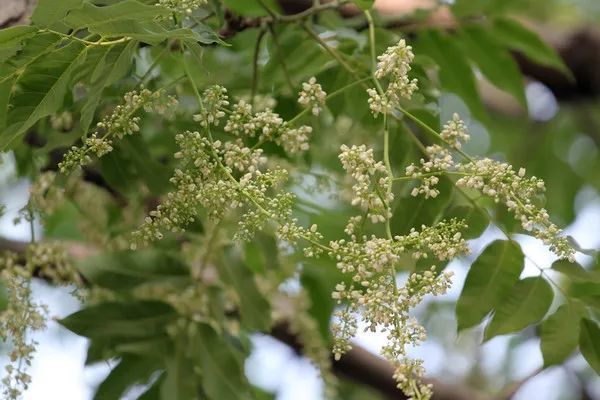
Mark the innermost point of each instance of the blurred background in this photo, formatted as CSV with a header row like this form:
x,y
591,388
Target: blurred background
x,y
557,138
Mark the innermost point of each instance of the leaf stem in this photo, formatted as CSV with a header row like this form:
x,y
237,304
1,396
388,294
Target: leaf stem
x,y
100,42
373,51
332,52
259,38
154,64
281,58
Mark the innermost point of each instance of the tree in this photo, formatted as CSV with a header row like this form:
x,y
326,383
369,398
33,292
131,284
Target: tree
x,y
189,157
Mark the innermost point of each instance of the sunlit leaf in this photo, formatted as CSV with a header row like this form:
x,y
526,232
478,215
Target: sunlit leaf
x,y
560,333
254,308
525,304
589,343
494,61
222,372
127,269
490,279
42,88
136,319
455,74
130,371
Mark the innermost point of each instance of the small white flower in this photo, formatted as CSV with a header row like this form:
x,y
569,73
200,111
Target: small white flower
x,y
312,96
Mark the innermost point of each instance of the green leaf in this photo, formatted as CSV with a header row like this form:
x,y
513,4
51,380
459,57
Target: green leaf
x,y
113,66
589,343
41,90
130,371
135,319
5,91
150,171
128,18
490,279
477,222
493,60
251,8
34,49
576,272
455,73
525,304
364,4
318,278
49,12
11,39
222,369
180,379
127,269
62,223
410,211
119,171
560,333
254,308
3,297
515,36
102,19
591,301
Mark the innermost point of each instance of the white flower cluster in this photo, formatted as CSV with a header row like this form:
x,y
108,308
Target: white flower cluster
x,y
395,61
241,120
206,184
44,195
373,292
119,123
370,190
269,126
439,159
295,140
214,101
443,240
312,96
52,262
290,232
379,104
22,315
201,181
277,208
499,181
185,7
394,64
455,132
78,157
240,158
62,121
